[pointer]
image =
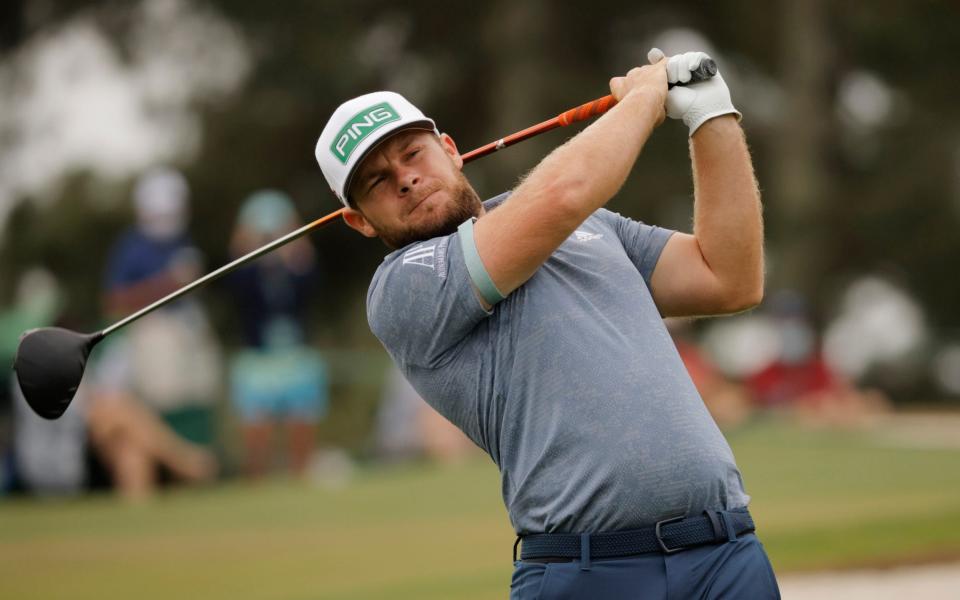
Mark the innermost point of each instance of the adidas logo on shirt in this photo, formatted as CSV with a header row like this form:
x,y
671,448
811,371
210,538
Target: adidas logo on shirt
x,y
586,236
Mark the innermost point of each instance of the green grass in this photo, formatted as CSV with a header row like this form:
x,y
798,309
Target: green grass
x,y
825,499
821,499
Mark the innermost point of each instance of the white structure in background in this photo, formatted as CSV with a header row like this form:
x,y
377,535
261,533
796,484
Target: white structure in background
x,y
742,345
72,102
681,39
878,325
865,101
865,106
946,369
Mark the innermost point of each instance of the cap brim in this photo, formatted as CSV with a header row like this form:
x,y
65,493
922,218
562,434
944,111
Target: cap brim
x,y
424,124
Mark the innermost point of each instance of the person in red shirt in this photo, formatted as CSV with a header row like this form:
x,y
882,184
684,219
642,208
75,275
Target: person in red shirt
x,y
800,380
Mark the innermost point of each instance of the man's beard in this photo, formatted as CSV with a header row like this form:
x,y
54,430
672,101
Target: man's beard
x,y
465,204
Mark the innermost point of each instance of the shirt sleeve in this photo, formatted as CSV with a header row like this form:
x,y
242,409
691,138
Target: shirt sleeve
x,y
643,243
421,303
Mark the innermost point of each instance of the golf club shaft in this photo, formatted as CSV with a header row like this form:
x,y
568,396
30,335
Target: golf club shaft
x,y
526,133
581,113
595,108
281,241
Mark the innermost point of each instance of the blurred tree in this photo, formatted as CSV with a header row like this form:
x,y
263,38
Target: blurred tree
x,y
799,184
843,195
11,24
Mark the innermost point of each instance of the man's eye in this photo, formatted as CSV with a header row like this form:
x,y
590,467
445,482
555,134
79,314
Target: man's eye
x,y
413,153
375,182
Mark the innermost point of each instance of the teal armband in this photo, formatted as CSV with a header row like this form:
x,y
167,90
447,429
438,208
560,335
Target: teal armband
x,y
478,273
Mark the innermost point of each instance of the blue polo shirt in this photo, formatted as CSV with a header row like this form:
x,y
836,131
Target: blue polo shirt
x,y
571,384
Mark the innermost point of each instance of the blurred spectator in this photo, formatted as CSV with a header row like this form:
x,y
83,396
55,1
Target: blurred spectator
x,y
138,447
51,456
397,435
275,378
409,428
36,303
727,400
48,456
168,361
799,380
128,439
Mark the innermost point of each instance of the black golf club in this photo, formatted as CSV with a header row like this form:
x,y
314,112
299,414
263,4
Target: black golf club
x,y
50,361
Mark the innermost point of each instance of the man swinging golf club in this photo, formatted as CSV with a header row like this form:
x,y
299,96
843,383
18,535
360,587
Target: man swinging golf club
x,y
533,321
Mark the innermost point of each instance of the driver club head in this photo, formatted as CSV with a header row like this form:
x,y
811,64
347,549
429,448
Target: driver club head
x,y
49,365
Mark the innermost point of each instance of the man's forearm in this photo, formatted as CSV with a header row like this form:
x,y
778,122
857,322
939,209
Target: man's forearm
x,y
592,167
728,220
563,190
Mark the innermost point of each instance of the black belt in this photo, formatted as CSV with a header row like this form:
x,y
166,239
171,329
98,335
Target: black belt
x,y
667,536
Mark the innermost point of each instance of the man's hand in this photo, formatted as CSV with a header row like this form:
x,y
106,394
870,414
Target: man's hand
x,y
698,102
649,79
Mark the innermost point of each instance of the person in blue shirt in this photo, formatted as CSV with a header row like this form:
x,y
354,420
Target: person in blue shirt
x,y
275,378
158,379
150,359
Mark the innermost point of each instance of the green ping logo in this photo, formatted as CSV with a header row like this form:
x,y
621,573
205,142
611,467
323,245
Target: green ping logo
x,y
359,127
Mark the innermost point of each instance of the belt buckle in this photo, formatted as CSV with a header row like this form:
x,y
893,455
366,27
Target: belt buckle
x,y
656,533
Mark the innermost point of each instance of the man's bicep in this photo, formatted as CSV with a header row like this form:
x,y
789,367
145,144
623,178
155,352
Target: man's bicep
x,y
514,240
682,283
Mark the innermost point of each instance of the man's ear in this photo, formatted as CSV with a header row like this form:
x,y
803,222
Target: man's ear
x,y
450,147
356,220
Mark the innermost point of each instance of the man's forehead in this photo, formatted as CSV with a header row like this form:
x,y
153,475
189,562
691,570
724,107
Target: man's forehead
x,y
404,137
394,143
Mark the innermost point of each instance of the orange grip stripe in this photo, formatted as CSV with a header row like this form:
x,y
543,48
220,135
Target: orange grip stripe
x,y
587,110
583,111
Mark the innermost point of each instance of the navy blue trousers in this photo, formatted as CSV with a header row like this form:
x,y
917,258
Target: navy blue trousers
x,y
737,569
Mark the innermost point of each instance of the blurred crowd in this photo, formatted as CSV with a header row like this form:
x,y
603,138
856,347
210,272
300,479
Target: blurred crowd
x,y
149,413
788,375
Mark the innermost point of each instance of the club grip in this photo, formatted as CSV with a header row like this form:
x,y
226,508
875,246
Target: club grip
x,y
586,111
706,70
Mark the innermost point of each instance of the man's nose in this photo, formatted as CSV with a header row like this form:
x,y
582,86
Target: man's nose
x,y
408,180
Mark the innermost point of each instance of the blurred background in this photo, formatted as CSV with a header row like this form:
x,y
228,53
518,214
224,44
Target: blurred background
x,y
254,441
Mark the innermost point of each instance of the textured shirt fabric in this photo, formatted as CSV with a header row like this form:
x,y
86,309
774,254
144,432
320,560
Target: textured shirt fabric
x,y
571,384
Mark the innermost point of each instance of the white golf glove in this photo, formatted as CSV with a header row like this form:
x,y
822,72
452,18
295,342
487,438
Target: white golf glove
x,y
695,103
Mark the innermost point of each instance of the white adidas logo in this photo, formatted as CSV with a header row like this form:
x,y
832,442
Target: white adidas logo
x,y
586,236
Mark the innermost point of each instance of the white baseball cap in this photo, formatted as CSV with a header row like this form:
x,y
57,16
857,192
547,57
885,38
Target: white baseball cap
x,y
356,128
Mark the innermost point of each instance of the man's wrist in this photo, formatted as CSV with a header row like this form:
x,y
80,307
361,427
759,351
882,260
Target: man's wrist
x,y
723,124
646,101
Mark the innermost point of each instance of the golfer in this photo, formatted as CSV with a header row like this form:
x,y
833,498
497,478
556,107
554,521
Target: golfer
x,y
533,321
